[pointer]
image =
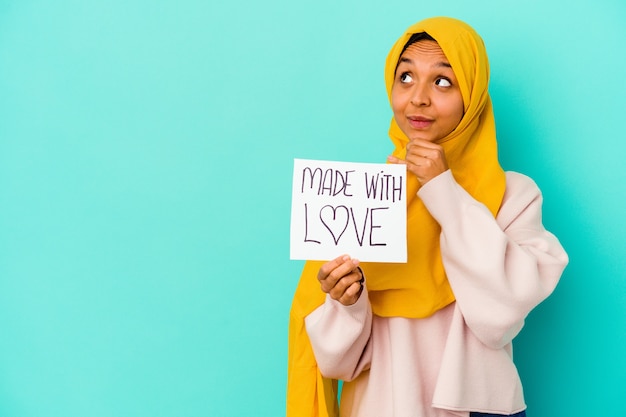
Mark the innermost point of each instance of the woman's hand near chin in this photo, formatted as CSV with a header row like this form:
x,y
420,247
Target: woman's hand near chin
x,y
424,159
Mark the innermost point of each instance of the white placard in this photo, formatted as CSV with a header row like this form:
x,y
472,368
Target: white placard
x,y
350,208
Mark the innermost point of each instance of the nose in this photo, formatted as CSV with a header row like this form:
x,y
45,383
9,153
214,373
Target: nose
x,y
419,95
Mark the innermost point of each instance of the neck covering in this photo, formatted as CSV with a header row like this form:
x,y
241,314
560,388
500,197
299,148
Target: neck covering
x,y
418,288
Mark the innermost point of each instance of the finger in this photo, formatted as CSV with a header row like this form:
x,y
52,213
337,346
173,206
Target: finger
x,y
341,278
395,160
425,153
419,158
424,147
331,265
352,294
422,143
334,281
345,286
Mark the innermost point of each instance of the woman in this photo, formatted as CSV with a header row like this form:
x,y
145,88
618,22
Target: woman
x,y
432,337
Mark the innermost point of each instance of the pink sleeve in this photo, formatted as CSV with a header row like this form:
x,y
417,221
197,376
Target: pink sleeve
x,y
339,336
499,269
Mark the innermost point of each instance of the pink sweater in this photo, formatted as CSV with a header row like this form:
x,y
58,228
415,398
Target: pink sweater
x,y
459,359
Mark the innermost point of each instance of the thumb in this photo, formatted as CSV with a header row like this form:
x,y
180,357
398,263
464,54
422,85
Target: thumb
x,y
395,160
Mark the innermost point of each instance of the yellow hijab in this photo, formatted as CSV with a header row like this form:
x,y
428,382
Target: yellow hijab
x,y
419,287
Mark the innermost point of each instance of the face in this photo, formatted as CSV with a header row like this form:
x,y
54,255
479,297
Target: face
x,y
426,100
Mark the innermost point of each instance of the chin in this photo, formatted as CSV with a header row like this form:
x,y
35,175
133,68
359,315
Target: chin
x,y
427,138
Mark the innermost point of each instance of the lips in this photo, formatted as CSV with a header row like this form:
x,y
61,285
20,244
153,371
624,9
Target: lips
x,y
420,122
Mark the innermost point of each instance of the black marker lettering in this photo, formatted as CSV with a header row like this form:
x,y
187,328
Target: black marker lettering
x,y
371,186
373,226
343,186
327,182
397,189
306,226
356,230
312,174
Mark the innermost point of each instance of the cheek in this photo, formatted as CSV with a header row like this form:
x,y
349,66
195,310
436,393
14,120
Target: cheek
x,y
460,105
455,110
460,114
398,103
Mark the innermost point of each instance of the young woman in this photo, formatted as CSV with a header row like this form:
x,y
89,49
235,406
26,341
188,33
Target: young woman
x,y
432,337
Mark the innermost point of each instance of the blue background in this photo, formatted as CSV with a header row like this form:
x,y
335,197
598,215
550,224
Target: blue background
x,y
146,152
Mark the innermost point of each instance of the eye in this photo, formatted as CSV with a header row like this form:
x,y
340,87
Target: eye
x,y
405,77
443,82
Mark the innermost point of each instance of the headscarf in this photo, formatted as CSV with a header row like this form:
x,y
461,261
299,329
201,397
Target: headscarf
x,y
418,288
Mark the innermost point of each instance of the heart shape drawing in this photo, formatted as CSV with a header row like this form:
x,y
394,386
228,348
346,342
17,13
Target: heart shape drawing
x,y
335,219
